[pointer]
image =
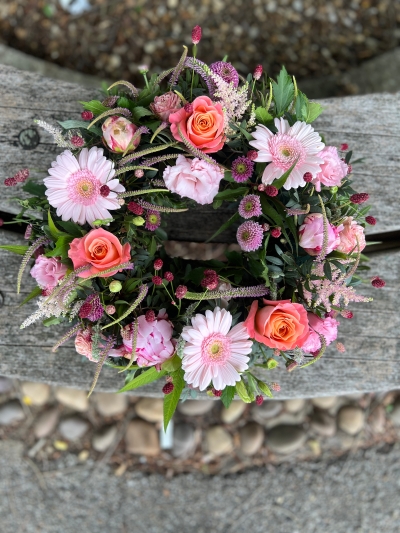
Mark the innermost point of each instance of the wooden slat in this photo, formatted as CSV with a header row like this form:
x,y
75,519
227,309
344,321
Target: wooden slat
x,y
370,363
369,124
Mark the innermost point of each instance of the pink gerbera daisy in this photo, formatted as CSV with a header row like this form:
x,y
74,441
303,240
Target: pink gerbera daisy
x,y
82,189
213,353
298,143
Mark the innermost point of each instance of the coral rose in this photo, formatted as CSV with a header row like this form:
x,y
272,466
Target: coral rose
x,y
48,271
349,236
166,104
118,133
333,169
312,234
193,178
281,325
203,126
100,250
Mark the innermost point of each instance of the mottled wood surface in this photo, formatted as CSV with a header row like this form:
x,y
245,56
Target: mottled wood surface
x,y
369,124
372,340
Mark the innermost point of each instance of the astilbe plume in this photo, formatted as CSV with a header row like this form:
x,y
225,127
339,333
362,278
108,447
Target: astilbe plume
x,y
57,133
234,100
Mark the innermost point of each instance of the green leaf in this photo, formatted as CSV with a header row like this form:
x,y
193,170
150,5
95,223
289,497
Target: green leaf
x,y
139,112
71,228
224,226
274,260
148,376
242,391
19,249
283,91
95,106
270,211
171,400
61,248
228,176
264,388
227,395
152,247
36,291
55,233
172,364
36,189
313,111
231,194
301,106
51,321
328,270
263,116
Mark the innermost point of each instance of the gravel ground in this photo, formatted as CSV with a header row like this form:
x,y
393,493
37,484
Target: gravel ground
x,y
311,37
358,493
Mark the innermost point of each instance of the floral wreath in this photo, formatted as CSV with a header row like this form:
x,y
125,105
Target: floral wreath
x,y
195,134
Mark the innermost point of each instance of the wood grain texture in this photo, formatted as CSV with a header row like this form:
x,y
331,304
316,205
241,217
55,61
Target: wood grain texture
x,y
372,340
369,124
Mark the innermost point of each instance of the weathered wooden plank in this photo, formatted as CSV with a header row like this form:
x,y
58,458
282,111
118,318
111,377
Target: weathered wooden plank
x,y
370,363
369,124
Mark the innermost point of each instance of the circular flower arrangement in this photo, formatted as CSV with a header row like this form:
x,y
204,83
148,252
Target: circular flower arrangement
x,y
196,134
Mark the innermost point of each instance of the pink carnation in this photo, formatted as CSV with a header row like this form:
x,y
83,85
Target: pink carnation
x,y
349,236
165,104
333,169
326,327
47,271
154,343
193,178
312,234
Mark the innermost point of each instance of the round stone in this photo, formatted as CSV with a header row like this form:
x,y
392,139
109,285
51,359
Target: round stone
x,y
233,413
219,441
395,414
325,402
110,404
46,423
269,409
73,428
286,439
5,385
195,407
323,424
10,413
142,438
294,405
150,409
251,438
184,441
103,439
72,398
36,393
377,419
351,419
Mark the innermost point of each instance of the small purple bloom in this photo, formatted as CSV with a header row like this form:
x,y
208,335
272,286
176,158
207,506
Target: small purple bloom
x,y
242,169
153,220
250,206
226,71
250,236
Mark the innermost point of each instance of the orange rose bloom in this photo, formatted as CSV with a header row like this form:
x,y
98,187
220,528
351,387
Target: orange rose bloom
x,y
100,249
282,324
203,127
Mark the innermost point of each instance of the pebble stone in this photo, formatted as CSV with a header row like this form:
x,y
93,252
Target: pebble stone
x,y
103,439
38,393
73,398
46,423
10,413
251,438
219,441
184,443
142,438
150,409
286,439
110,404
395,414
323,424
266,411
295,405
73,428
377,419
195,407
351,419
291,419
325,402
5,385
233,413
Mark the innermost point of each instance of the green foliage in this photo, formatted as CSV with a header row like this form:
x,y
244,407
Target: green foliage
x,y
283,92
243,392
95,106
36,189
227,395
19,249
147,376
171,400
263,116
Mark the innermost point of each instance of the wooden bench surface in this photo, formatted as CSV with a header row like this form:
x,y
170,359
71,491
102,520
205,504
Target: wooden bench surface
x,y
369,124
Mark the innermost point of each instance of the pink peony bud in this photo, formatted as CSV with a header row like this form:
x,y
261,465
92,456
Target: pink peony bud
x,y
118,134
311,234
196,35
166,104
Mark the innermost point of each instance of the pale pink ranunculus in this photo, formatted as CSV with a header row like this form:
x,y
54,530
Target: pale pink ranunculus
x,y
47,271
118,133
154,343
166,104
193,178
203,126
333,169
326,327
349,236
312,234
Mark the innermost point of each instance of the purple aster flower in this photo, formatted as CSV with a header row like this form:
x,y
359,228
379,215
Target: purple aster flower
x,y
153,220
250,236
242,169
250,206
91,308
226,71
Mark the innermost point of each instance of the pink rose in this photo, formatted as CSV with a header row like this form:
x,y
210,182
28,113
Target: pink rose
x,y
154,344
166,104
101,250
281,324
203,126
47,271
333,169
193,178
349,236
312,234
326,327
119,134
